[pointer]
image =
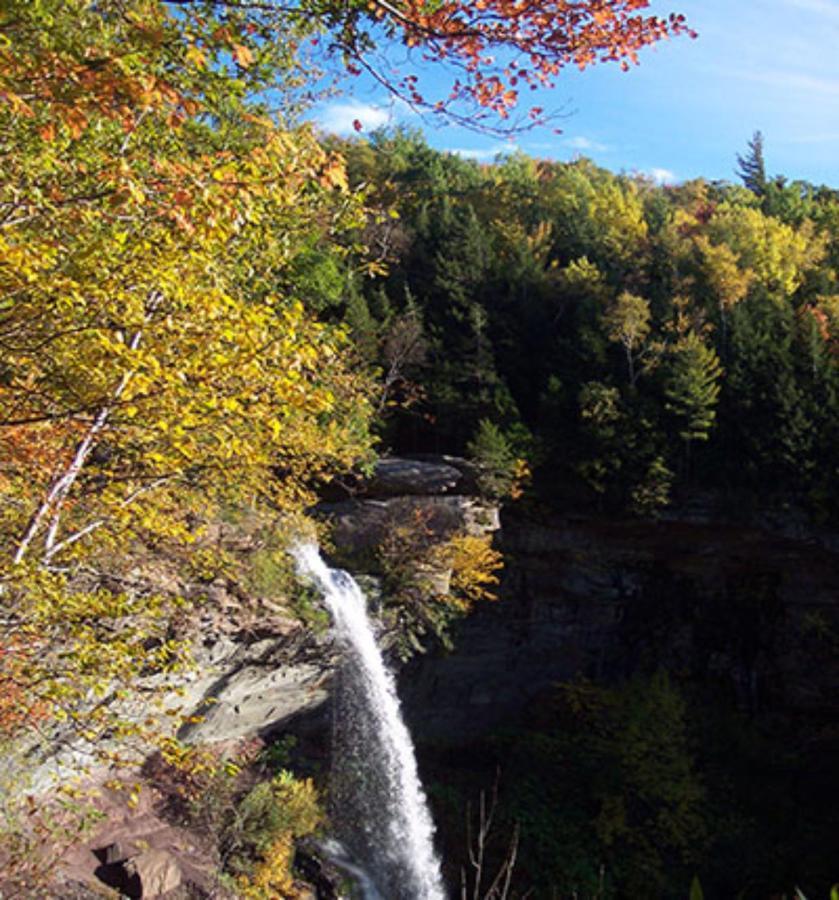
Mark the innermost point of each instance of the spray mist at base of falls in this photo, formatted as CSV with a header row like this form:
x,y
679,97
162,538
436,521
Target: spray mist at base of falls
x,y
381,812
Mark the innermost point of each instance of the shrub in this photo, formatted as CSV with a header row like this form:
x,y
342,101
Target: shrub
x,y
474,565
501,472
260,840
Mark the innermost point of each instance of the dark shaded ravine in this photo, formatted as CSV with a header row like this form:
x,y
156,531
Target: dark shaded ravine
x,y
747,611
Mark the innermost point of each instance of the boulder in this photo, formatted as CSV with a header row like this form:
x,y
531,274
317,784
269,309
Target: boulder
x,y
151,874
157,872
395,477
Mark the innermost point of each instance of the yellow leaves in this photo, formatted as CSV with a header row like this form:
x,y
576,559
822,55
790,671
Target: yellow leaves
x,y
777,254
195,57
17,104
136,285
334,173
243,55
134,797
475,565
301,815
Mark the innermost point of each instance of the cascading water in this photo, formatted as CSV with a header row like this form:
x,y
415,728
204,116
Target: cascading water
x,y
381,810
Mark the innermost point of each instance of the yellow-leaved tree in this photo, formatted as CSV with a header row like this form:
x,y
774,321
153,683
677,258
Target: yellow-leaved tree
x,y
155,355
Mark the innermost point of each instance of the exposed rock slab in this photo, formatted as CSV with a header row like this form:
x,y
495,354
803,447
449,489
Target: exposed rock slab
x,y
360,525
394,477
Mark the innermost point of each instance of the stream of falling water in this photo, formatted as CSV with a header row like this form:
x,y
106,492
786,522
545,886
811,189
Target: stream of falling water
x,y
382,813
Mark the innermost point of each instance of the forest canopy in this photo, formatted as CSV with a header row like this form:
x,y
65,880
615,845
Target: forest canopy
x,y
636,342
177,249
207,306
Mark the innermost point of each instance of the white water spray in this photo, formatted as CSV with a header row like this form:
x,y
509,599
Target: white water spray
x,y
395,839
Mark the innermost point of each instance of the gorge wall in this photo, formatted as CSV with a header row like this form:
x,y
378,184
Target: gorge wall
x,y
749,611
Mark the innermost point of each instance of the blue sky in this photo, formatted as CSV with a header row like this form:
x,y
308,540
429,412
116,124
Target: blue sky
x,y
688,108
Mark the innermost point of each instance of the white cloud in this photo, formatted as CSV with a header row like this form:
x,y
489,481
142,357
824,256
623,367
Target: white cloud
x,y
661,176
582,143
341,118
482,154
794,80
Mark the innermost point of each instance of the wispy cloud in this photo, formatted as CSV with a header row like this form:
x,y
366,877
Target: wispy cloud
x,y
345,117
583,144
661,176
828,8
795,80
482,154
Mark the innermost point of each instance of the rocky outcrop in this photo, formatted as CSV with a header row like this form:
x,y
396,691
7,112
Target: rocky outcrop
x,y
255,666
397,477
437,497
251,676
246,687
135,852
747,611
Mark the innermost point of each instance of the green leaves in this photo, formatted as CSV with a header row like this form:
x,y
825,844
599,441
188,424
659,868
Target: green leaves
x,y
157,359
692,387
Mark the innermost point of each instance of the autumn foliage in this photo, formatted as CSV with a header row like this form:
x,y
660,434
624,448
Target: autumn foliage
x,y
154,361
501,47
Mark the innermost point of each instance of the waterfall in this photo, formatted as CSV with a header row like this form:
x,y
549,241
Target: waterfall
x,y
381,810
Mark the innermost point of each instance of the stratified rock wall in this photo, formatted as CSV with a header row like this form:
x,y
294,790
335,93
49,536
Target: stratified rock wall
x,y
747,611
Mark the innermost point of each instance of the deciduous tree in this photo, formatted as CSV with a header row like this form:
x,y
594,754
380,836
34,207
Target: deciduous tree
x,y
156,353
627,323
494,49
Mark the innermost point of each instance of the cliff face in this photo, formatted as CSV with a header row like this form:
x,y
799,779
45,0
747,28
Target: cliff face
x,y
745,611
262,665
748,612
257,682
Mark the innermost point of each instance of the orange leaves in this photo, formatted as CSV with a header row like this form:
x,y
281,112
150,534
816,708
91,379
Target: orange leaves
x,y
551,34
17,709
76,121
243,55
72,86
334,173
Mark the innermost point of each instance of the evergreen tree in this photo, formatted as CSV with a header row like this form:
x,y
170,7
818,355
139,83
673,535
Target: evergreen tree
x,y
751,167
693,388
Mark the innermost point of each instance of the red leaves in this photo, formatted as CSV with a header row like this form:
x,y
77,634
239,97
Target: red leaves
x,y
551,34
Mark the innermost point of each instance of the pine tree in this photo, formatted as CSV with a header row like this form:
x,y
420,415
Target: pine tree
x,y
693,388
751,168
